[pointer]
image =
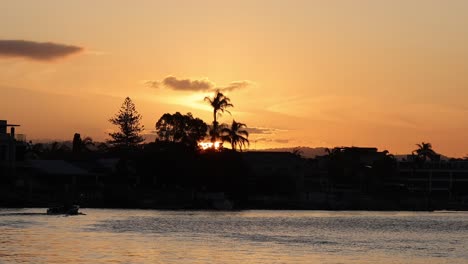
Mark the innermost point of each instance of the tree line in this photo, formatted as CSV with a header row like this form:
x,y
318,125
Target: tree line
x,y
179,128
184,129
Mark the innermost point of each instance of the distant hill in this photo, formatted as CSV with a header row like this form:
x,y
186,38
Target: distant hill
x,y
306,152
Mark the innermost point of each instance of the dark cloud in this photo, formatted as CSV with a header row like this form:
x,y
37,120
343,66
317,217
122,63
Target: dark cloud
x,y
45,51
174,83
187,84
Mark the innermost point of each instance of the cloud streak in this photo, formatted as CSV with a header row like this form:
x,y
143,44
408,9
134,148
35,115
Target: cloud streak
x,y
42,51
263,130
234,86
263,139
260,130
201,85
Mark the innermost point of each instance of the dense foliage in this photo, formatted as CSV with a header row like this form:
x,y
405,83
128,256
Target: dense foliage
x,y
178,128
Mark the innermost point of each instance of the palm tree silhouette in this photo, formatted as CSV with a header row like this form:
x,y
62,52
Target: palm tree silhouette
x,y
424,151
219,102
236,135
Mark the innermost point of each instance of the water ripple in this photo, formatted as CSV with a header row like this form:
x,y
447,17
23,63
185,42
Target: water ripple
x,y
146,236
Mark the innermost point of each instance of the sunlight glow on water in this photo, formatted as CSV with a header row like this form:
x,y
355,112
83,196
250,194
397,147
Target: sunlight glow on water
x,y
149,236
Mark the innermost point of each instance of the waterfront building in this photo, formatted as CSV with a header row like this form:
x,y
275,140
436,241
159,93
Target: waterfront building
x,y
12,145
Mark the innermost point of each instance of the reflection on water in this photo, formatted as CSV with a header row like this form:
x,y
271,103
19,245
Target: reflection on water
x,y
147,236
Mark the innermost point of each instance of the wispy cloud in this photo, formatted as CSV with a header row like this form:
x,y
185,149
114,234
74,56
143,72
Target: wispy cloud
x,y
277,140
267,135
260,130
235,85
43,51
201,85
264,130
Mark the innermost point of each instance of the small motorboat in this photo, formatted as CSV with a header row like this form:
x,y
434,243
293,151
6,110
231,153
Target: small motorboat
x,y
66,210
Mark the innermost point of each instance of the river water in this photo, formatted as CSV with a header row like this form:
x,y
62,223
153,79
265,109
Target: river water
x,y
153,236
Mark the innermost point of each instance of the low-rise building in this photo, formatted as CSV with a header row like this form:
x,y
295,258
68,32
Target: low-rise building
x,y
12,145
444,178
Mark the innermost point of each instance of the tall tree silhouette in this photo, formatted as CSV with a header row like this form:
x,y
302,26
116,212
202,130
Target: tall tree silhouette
x,y
77,143
236,135
219,102
128,121
425,151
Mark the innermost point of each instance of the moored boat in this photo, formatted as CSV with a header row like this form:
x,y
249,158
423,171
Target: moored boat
x,y
67,210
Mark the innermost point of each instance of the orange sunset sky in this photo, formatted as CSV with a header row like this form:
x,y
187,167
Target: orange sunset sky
x,y
388,74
